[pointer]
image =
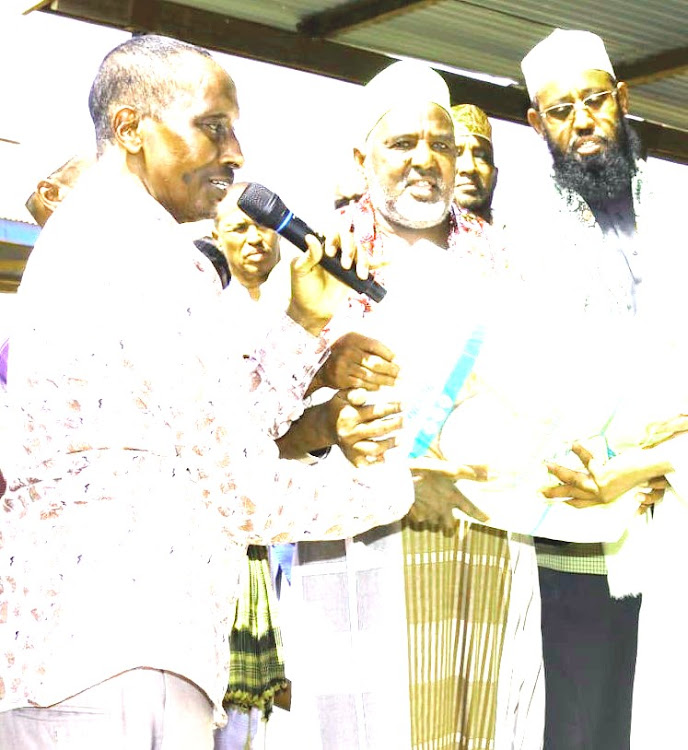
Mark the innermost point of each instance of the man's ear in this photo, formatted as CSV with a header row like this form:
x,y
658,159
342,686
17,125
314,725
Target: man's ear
x,y
126,125
535,121
49,194
622,96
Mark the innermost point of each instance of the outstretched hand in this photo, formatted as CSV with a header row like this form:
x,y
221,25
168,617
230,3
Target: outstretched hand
x,y
604,480
357,361
365,432
436,495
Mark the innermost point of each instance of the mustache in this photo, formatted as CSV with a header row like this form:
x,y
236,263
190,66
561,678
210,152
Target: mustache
x,y
260,247
602,176
415,176
577,141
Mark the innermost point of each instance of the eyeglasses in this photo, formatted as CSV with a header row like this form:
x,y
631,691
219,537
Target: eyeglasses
x,y
593,103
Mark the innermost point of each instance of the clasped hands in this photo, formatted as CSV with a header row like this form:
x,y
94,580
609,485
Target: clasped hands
x,y
357,365
603,480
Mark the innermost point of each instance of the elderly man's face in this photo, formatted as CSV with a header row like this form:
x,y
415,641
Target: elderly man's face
x,y
409,166
580,116
593,147
475,173
251,251
191,151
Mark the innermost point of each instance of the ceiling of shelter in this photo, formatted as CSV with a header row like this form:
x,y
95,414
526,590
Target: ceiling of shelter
x,y
647,41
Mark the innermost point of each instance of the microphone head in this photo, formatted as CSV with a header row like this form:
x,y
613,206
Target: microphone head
x,y
262,205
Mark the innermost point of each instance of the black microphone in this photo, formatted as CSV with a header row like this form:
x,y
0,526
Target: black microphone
x,y
267,209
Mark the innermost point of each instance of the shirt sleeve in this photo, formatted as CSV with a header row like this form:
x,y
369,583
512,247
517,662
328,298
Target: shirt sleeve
x,y
261,498
264,499
281,370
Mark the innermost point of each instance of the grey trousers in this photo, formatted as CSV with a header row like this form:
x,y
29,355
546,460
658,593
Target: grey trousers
x,y
143,709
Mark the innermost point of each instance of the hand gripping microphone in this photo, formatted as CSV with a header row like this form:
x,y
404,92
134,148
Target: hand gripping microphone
x,y
267,209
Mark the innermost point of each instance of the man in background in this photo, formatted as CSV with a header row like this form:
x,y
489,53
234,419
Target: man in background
x,y
256,664
476,173
53,189
252,252
49,193
257,295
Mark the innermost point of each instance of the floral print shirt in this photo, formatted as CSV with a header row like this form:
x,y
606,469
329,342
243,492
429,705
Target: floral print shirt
x,y
143,459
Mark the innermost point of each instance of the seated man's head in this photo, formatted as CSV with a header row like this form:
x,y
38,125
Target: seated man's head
x,y
166,111
51,191
406,146
476,174
252,251
580,109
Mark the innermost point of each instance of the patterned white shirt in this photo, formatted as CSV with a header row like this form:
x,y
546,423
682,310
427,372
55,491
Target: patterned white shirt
x,y
144,461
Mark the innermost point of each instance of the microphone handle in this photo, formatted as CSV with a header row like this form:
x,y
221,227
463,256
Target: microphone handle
x,y
295,230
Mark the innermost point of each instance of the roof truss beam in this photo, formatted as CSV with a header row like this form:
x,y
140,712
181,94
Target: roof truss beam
x,y
356,13
653,67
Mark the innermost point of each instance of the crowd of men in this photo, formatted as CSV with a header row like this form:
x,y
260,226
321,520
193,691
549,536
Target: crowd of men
x,y
193,428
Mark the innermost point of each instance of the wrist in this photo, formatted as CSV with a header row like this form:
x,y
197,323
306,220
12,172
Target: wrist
x,y
331,413
314,385
312,323
657,461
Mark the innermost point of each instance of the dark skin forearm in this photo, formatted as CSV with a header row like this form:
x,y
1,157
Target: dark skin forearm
x,y
314,430
364,432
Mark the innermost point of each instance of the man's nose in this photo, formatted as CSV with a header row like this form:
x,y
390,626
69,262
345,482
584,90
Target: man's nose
x,y
422,155
253,235
231,153
582,119
465,164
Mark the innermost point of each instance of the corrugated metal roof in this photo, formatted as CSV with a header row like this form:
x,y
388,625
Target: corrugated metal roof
x,y
630,28
491,36
452,34
663,101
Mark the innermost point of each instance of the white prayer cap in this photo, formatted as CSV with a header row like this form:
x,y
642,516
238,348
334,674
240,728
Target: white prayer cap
x,y
562,53
402,84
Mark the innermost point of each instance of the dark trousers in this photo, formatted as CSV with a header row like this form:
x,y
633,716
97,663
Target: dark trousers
x,y
589,647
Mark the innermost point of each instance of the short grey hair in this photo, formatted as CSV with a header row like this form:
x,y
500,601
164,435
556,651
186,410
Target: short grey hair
x,y
142,73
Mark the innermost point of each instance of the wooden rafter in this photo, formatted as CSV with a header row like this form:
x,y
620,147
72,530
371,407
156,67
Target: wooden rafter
x,y
653,67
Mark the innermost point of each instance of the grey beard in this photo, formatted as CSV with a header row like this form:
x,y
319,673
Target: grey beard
x,y
405,210
603,176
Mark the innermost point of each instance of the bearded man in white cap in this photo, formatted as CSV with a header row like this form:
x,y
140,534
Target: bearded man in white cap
x,y
591,240
394,612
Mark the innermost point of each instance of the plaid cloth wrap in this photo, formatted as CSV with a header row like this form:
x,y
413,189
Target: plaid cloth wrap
x,y
457,585
256,665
